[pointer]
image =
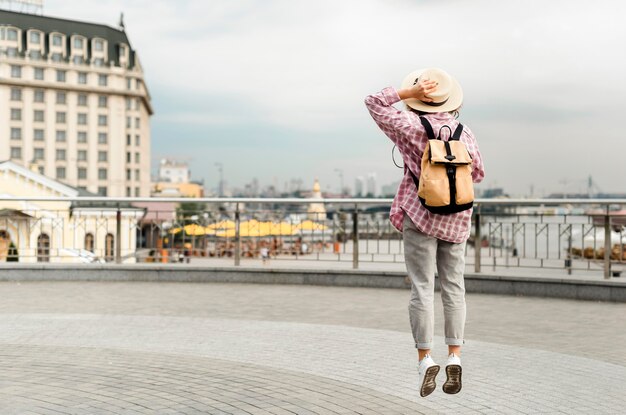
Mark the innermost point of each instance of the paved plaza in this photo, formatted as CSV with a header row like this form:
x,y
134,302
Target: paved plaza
x,y
187,348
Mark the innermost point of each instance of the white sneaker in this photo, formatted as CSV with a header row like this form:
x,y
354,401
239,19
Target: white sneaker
x,y
453,375
427,370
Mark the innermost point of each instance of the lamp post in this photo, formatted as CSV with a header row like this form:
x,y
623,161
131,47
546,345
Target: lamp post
x,y
340,172
220,169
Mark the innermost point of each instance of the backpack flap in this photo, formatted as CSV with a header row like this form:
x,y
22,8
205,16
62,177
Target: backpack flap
x,y
448,152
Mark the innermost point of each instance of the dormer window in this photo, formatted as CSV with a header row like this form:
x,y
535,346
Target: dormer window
x,y
11,34
35,38
98,45
57,40
78,43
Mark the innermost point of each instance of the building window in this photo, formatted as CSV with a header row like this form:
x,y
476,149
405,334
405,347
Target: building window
x,y
61,97
137,122
12,52
35,37
102,101
43,248
16,94
16,114
82,119
38,74
98,45
128,139
82,173
137,83
16,152
102,138
57,40
128,174
11,34
38,134
82,100
81,137
129,83
38,115
137,104
98,62
78,43
102,191
60,172
136,192
137,174
57,57
61,136
61,75
82,77
136,157
102,174
129,103
102,80
38,154
128,194
137,140
60,154
102,156
102,120
109,240
16,133
128,157
38,96
60,117
16,71
129,122
78,60
81,155
89,242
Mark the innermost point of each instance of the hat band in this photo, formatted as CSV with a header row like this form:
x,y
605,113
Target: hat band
x,y
435,104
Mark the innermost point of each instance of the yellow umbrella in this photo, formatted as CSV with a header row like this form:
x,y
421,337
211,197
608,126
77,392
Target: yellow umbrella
x,y
198,230
309,225
223,224
282,229
174,231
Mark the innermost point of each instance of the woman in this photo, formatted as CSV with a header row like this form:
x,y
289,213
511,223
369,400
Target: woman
x,y
430,240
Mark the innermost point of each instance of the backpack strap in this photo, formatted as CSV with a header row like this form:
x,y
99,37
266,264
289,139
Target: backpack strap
x,y
429,128
457,132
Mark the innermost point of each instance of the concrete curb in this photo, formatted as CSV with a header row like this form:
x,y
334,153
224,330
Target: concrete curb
x,y
474,283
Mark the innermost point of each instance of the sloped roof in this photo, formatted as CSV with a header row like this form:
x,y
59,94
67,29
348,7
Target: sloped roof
x,y
68,27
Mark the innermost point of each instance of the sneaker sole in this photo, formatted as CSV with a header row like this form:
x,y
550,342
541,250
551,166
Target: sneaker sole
x,y
453,379
428,384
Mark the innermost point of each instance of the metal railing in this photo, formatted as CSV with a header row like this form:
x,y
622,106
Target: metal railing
x,y
566,234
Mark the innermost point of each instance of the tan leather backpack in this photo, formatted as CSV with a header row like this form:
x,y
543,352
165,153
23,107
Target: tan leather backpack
x,y
445,185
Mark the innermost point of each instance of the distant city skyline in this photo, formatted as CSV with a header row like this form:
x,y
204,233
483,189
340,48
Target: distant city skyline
x,y
275,88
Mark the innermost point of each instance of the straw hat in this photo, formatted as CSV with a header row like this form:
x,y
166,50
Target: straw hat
x,y
447,97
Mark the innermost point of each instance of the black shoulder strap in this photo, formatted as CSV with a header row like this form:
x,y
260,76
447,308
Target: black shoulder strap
x,y
429,128
457,132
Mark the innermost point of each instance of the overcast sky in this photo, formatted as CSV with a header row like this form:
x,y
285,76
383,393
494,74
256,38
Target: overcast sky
x,y
274,89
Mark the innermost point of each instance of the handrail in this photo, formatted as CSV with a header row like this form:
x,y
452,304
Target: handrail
x,y
361,201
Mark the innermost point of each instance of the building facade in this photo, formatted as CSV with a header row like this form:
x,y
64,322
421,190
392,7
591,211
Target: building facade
x,y
74,104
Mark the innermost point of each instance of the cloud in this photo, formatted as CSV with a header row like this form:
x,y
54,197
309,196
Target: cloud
x,y
300,69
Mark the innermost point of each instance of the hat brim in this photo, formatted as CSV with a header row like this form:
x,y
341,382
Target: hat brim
x,y
454,100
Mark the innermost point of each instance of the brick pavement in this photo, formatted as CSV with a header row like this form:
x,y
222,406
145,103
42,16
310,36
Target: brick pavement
x,y
218,348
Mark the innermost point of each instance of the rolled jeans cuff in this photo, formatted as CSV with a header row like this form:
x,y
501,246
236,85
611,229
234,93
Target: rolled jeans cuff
x,y
423,346
454,342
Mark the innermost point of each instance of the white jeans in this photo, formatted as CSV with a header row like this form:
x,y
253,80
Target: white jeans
x,y
421,253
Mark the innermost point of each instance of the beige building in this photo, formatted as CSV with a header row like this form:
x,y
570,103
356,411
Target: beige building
x,y
175,181
61,231
73,101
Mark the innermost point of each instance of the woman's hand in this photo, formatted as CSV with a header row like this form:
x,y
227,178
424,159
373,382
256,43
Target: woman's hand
x,y
419,91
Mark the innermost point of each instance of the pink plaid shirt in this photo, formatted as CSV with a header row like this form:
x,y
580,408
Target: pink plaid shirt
x,y
406,131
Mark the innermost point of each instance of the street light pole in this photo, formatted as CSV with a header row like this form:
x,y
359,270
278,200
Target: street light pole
x,y
340,172
220,169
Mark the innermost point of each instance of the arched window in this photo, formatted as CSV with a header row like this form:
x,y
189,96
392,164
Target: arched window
x,y
89,242
109,247
43,248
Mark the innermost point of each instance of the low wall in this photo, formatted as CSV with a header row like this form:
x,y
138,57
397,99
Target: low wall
x,y
474,283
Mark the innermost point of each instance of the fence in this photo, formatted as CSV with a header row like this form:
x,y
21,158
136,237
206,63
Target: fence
x,y
567,234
